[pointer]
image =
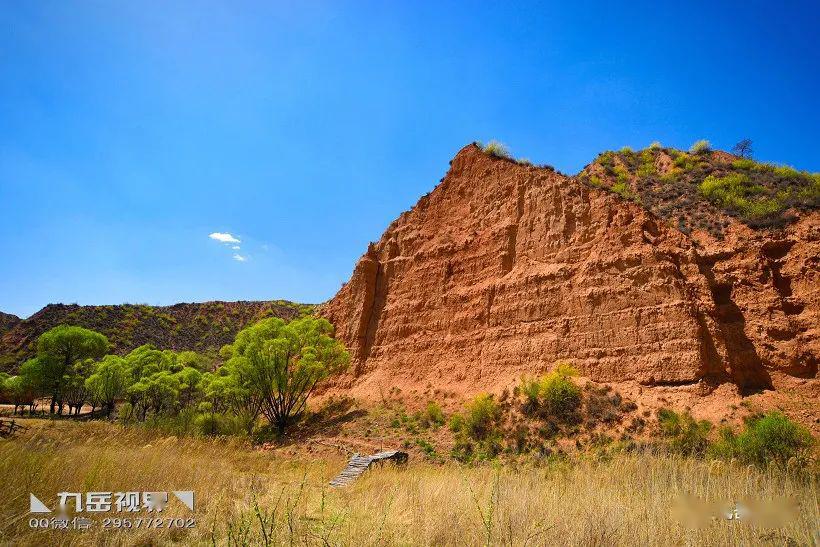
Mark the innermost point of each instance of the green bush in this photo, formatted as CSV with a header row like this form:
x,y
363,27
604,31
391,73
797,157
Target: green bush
x,y
685,435
125,413
182,423
655,145
497,149
553,396
477,434
685,161
622,186
810,194
647,169
736,192
481,416
769,438
433,415
607,161
622,189
462,450
700,147
530,388
744,164
208,424
427,448
787,172
466,450
560,396
762,208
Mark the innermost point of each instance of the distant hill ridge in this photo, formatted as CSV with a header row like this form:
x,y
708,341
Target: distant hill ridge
x,y
203,327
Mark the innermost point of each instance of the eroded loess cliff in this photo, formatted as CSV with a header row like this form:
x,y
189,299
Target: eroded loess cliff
x,y
506,268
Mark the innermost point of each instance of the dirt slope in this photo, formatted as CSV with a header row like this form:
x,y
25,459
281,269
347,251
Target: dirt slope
x,y
7,321
506,268
203,327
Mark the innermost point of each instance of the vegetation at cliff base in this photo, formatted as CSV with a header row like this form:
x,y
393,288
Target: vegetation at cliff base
x,y
764,439
554,395
281,363
271,369
247,497
544,412
511,453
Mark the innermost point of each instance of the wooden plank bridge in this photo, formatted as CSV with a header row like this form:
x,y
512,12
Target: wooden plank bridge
x,y
358,464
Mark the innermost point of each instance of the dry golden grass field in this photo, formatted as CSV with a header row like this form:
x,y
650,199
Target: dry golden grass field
x,y
247,496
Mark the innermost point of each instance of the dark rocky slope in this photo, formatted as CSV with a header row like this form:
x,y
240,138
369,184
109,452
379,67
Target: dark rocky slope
x,y
203,327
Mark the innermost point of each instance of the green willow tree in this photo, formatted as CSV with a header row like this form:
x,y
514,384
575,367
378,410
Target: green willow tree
x,y
282,363
109,382
75,393
58,351
229,390
20,392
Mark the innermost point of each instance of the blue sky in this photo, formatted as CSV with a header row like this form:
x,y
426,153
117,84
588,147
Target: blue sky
x,y
130,131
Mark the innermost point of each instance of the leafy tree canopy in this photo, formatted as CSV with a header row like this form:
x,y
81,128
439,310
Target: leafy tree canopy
x,y
283,362
58,351
68,344
109,381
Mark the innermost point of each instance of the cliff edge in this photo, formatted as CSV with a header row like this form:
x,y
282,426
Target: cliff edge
x,y
506,268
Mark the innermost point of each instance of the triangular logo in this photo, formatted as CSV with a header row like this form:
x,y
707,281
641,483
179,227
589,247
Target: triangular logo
x,y
186,497
37,506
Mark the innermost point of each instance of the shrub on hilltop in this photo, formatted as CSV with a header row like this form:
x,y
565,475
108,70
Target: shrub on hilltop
x,y
497,149
703,190
700,147
737,193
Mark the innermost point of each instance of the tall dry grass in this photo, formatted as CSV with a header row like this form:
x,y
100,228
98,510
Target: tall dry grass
x,y
248,497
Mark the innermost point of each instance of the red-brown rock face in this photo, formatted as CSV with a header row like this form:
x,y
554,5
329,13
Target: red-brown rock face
x,y
505,269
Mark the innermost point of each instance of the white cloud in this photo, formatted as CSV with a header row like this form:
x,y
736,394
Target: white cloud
x,y
239,258
235,247
224,237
